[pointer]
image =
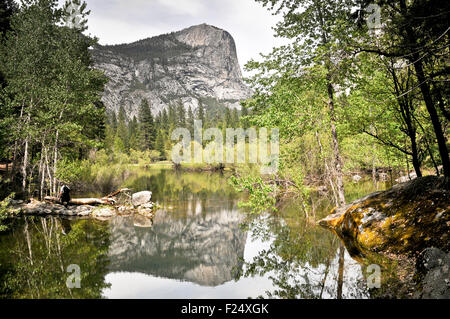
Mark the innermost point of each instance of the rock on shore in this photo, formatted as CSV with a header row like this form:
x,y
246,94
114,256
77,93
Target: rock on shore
x,y
403,220
141,205
433,266
406,230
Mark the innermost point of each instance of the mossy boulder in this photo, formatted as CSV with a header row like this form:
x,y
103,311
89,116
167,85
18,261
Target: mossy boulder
x,y
402,220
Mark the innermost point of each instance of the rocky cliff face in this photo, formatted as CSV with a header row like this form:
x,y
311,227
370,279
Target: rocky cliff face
x,y
206,250
192,66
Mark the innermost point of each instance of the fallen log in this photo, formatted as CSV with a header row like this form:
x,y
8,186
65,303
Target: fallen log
x,y
123,190
83,201
107,200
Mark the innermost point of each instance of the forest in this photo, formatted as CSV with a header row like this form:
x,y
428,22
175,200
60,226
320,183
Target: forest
x,y
359,93
349,95
362,86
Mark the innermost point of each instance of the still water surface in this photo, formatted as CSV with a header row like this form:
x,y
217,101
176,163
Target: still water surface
x,y
199,245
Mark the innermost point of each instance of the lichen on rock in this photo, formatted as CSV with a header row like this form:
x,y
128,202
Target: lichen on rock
x,y
405,219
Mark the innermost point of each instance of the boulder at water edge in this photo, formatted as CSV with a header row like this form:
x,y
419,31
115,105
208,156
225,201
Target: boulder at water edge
x,y
403,220
433,266
141,198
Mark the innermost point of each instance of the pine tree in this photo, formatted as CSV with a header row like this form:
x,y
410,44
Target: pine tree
x,y
160,143
235,118
172,116
133,133
122,132
227,118
147,126
201,112
113,121
243,120
190,121
181,115
165,120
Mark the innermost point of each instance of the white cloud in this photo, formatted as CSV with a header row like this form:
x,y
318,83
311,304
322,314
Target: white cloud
x,y
112,31
183,7
124,21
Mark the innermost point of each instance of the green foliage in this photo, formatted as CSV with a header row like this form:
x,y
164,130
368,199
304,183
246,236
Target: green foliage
x,y
35,254
160,49
51,101
379,118
260,195
146,126
4,211
69,172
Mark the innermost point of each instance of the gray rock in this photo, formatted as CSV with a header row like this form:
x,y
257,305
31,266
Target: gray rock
x,y
148,212
34,211
141,198
403,179
84,213
141,221
199,65
148,205
104,212
356,178
69,212
433,265
125,208
84,208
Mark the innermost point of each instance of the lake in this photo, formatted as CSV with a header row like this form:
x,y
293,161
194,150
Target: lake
x,y
199,245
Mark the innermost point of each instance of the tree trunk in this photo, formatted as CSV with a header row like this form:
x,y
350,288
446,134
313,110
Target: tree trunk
x,y
415,156
428,147
83,201
441,105
12,173
416,59
337,156
55,162
14,163
340,282
443,151
327,169
41,174
28,239
407,114
25,166
435,165
47,165
374,170
55,156
25,156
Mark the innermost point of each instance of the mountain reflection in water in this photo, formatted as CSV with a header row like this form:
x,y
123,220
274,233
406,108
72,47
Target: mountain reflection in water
x,y
199,245
187,246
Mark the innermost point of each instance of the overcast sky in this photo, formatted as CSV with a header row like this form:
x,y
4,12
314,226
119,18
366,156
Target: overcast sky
x,y
124,21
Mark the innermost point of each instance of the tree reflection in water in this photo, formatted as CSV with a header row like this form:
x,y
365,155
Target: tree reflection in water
x,y
302,260
36,251
194,247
